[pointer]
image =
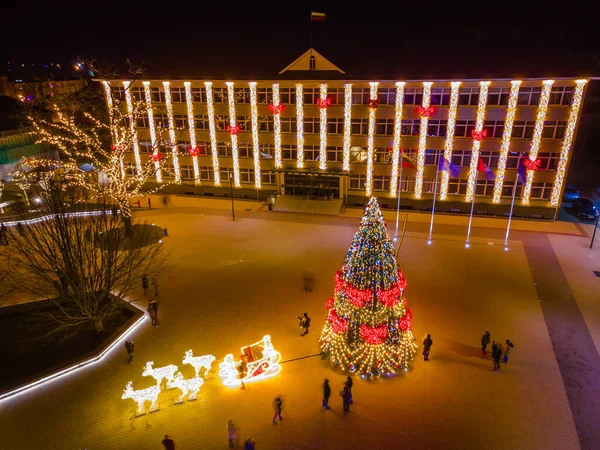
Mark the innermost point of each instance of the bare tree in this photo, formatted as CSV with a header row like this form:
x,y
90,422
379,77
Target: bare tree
x,y
82,264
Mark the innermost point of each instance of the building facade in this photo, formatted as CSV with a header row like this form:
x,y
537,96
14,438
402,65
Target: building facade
x,y
313,131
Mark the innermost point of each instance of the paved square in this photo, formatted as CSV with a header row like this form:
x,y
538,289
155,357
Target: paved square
x,y
233,282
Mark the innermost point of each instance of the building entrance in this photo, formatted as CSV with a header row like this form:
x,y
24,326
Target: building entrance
x,y
311,186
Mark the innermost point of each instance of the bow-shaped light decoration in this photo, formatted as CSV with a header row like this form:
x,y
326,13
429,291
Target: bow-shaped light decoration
x,y
426,112
276,109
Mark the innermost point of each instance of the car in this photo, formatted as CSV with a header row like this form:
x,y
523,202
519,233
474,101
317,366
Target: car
x,y
571,193
584,208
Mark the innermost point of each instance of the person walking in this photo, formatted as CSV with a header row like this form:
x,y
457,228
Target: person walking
x,y
496,355
304,323
326,393
507,347
155,286
494,347
145,284
349,383
154,306
485,340
168,443
139,202
427,343
345,393
232,434
130,349
149,203
277,405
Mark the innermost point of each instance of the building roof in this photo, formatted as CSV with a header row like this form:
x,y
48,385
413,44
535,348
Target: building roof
x,y
302,63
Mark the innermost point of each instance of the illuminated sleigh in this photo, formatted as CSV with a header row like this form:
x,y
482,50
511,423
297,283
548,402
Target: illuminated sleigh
x,y
257,361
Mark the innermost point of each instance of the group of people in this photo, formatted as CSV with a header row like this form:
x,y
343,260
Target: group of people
x,y
345,393
500,351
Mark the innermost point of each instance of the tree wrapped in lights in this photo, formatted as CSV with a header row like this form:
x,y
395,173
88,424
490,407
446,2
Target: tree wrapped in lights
x,y
369,326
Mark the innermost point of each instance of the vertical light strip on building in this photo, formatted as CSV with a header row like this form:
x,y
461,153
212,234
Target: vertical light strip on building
x,y
213,132
481,104
300,125
506,136
152,126
323,129
422,140
111,116
234,142
255,144
397,136
567,142
134,137
371,139
347,125
172,138
192,128
452,109
277,127
537,136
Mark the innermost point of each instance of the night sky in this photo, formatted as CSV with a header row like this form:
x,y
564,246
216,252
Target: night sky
x,y
417,39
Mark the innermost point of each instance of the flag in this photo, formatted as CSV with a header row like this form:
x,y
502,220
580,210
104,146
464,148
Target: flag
x,y
317,16
521,171
489,175
446,165
408,162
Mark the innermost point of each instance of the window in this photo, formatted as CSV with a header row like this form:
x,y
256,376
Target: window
x,y
468,96
548,161
461,158
157,94
413,96
145,146
432,157
360,96
224,149
178,95
199,95
289,152
437,128
311,95
490,158
265,95
384,127
463,128
242,95
529,95
220,95
312,125
311,153
181,121
335,153
498,96
245,150
267,151
267,178
201,122
561,95
541,190
336,95
410,127
554,129
138,94
288,124
287,95
360,127
129,167
440,96
381,183
118,93
357,181
457,186
161,121
387,96
383,155
523,129
142,122
335,125
494,129
186,171
246,175
265,124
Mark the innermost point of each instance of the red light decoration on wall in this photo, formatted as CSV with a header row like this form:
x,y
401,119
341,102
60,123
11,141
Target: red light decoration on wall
x,y
233,130
531,165
426,112
323,104
479,135
374,103
276,109
195,151
157,157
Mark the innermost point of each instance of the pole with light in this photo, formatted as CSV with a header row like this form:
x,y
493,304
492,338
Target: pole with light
x,y
433,206
512,205
231,187
399,190
468,241
595,228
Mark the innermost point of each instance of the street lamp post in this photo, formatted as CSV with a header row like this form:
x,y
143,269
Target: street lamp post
x,y
595,228
231,187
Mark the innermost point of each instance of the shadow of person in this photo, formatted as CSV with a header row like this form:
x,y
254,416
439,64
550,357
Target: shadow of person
x,y
464,350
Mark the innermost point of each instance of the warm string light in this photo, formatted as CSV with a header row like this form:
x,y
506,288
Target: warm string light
x,y
537,137
111,117
371,138
277,127
481,104
422,140
192,129
141,396
171,121
397,136
323,130
567,142
260,361
189,387
198,362
234,141
213,132
452,110
255,144
509,121
152,126
347,125
160,373
300,125
134,138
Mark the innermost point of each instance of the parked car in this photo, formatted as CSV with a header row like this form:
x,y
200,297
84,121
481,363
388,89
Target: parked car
x,y
584,208
571,193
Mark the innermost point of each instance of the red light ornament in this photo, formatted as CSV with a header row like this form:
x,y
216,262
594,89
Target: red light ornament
x,y
233,130
195,151
157,157
330,302
373,335
426,112
276,109
479,135
374,103
324,103
338,324
532,165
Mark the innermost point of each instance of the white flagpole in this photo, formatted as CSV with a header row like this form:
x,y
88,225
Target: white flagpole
x,y
512,205
468,243
433,207
399,191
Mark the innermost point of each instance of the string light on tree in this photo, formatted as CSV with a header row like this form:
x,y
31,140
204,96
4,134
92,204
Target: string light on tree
x,y
300,125
324,102
152,127
371,138
277,126
213,132
509,121
135,143
422,139
233,126
192,129
537,136
567,142
171,121
255,143
481,105
347,125
452,110
111,117
397,136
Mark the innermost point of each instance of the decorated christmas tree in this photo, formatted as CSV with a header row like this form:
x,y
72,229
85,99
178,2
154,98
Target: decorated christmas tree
x,y
369,327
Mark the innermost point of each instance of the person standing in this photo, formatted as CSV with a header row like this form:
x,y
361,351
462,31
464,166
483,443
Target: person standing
x,y
139,202
154,305
345,393
145,284
130,349
507,347
485,340
326,393
168,443
149,203
427,343
496,355
151,313
232,434
249,444
277,405
349,383
494,347
304,323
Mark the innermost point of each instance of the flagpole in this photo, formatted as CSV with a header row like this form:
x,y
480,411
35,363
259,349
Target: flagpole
x,y
512,205
310,32
468,243
399,191
433,207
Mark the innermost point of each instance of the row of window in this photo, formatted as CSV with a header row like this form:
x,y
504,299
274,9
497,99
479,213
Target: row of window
x,y
560,95
455,186
360,127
